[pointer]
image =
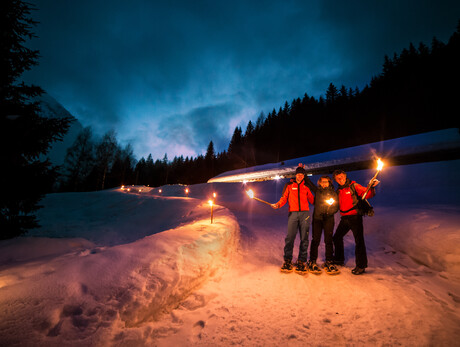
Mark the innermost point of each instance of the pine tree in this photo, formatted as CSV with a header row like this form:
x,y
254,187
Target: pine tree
x,y
24,135
331,94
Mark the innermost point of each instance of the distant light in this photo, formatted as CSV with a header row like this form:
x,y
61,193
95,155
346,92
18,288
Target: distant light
x,y
210,202
214,195
277,177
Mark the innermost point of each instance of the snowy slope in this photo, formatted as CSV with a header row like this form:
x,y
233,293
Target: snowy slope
x,y
51,108
146,268
432,146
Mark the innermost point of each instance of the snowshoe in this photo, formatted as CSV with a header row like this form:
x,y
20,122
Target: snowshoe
x,y
301,268
287,266
331,268
314,268
358,271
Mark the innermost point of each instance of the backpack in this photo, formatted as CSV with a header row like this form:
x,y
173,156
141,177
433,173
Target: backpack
x,y
363,206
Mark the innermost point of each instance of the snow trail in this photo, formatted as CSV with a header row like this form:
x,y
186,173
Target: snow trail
x,y
396,302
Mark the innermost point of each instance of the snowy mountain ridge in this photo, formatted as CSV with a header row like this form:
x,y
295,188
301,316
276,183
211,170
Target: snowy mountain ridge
x,y
51,108
432,146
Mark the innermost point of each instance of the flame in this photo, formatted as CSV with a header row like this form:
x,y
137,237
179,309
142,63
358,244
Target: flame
x,y
379,164
250,193
330,201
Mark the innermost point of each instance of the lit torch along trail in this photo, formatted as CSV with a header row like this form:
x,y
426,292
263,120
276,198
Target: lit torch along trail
x,y
251,195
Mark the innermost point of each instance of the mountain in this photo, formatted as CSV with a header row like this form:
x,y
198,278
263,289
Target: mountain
x,y
51,108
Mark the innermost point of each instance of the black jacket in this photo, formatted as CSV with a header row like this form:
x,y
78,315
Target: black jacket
x,y
323,209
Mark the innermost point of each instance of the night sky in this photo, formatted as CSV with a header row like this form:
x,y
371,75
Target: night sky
x,y
170,76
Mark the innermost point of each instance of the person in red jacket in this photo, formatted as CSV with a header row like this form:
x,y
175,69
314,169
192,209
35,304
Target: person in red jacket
x,y
348,193
297,195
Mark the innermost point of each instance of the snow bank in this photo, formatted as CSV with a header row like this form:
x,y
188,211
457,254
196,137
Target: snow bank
x,y
66,295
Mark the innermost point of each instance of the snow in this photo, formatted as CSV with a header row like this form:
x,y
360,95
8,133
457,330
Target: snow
x,y
418,147
118,268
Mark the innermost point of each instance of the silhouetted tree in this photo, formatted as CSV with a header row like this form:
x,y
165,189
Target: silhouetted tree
x,y
24,135
79,161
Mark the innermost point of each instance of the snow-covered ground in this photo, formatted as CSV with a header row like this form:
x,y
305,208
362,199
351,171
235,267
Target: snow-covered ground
x,y
118,268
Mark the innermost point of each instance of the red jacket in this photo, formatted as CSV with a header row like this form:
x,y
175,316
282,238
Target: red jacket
x,y
347,199
298,196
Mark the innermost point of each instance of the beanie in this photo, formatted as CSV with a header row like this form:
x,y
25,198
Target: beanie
x,y
300,170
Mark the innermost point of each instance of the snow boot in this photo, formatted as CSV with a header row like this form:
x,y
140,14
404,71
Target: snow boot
x,y
287,266
331,268
358,271
301,268
314,268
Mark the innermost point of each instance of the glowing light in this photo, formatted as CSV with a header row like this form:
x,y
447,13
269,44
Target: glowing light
x,y
186,190
122,187
129,189
330,201
245,181
214,195
160,191
250,193
277,177
211,203
379,164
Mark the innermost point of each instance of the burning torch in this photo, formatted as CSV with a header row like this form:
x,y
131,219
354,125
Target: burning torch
x,y
251,195
211,203
379,168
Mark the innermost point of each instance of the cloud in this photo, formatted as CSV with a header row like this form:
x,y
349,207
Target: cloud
x,y
171,76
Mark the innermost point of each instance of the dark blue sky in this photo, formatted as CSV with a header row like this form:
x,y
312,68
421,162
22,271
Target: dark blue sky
x,y
170,76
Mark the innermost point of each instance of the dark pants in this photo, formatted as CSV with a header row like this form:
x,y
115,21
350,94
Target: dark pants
x,y
326,223
355,223
297,221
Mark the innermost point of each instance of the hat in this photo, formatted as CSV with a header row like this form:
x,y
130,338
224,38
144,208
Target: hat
x,y
300,170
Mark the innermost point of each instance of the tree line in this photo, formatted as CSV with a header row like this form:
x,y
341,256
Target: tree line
x,y
415,92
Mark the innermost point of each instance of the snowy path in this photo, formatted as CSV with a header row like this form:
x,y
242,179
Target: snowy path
x,y
398,302
132,269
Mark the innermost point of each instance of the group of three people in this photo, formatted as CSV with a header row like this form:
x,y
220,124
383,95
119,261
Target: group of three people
x,y
298,193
